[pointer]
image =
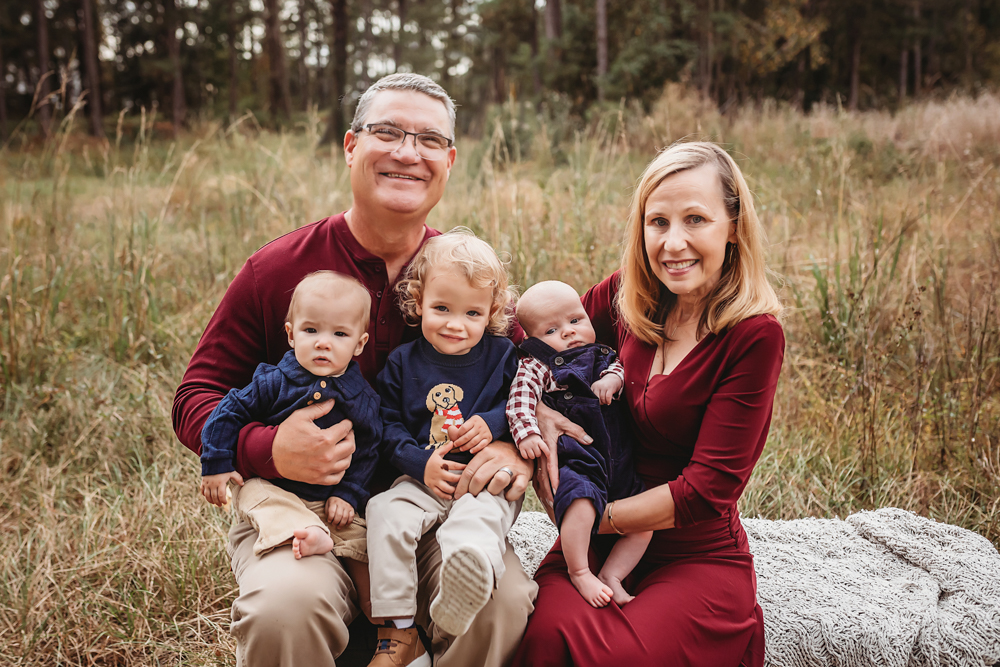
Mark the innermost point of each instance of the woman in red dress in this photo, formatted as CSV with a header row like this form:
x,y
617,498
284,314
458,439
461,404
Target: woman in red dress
x,y
693,316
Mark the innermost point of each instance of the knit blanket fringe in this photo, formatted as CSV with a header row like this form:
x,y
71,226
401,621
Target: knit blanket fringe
x,y
887,588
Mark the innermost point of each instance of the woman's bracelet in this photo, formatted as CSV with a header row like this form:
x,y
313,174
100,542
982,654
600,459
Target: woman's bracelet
x,y
611,518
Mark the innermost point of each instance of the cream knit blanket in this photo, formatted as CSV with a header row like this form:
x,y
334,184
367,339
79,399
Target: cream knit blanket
x,y
886,588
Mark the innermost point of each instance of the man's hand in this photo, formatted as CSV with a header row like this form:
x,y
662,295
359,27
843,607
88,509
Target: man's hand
x,y
532,447
306,453
471,436
441,475
338,511
486,471
553,424
606,388
213,487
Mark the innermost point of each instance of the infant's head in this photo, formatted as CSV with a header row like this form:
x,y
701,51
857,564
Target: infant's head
x,y
456,289
327,321
551,312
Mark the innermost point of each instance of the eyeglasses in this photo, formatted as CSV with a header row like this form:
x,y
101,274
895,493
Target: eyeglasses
x,y
429,146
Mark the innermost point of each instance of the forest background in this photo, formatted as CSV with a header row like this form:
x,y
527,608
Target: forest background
x,y
150,147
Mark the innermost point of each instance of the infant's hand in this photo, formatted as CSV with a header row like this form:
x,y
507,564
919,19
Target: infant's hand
x,y
606,388
213,487
339,512
532,447
442,475
471,436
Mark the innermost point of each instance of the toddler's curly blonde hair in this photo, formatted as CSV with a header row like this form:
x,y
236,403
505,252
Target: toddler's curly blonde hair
x,y
461,251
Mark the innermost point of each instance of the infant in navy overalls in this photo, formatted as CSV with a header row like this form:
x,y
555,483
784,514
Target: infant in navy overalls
x,y
578,378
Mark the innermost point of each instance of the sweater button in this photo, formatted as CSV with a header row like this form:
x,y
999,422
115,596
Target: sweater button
x,y
317,395
605,350
310,402
322,383
559,361
568,395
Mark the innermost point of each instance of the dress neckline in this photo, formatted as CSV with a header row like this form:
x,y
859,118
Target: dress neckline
x,y
649,365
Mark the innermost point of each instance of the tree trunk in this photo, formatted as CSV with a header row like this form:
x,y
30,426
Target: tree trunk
x,y
602,47
918,74
904,58
44,106
366,44
397,46
3,98
234,79
177,102
499,82
967,22
553,31
709,42
336,126
305,88
800,80
279,94
536,77
93,70
852,101
553,20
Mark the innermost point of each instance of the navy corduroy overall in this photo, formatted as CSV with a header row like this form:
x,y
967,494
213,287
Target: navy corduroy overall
x,y
602,471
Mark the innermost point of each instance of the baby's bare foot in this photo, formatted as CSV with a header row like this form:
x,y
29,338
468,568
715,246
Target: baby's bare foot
x,y
591,588
310,542
618,592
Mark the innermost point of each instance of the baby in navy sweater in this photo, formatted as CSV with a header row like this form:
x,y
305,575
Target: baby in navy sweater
x,y
443,399
327,327
567,370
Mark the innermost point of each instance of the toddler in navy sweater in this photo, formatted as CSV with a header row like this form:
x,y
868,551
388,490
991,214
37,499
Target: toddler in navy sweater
x,y
443,399
327,327
567,370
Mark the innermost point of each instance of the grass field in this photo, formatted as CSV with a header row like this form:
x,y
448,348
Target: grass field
x,y
883,237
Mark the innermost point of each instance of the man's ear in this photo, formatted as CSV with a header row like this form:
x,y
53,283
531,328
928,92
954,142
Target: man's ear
x,y
288,332
361,344
452,154
350,143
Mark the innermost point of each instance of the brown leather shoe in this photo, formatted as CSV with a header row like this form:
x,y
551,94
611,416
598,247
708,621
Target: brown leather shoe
x,y
397,648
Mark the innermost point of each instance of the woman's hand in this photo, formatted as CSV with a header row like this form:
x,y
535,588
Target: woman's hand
x,y
489,470
553,424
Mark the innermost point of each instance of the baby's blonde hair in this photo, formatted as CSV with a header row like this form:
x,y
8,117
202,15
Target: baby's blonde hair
x,y
459,250
339,285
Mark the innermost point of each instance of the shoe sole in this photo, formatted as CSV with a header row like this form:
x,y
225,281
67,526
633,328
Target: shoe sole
x,y
422,661
466,584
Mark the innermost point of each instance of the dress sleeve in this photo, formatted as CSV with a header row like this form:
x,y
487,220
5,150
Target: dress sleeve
x,y
735,425
599,302
227,354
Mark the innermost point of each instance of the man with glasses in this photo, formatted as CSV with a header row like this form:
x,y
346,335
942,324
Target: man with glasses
x,y
400,151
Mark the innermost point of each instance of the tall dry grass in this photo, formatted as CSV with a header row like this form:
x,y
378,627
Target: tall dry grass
x,y
113,256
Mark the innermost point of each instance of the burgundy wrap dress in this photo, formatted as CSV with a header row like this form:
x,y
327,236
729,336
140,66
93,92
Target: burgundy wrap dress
x,y
701,430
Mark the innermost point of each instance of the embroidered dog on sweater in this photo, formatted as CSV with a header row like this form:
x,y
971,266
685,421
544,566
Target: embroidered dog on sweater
x,y
443,400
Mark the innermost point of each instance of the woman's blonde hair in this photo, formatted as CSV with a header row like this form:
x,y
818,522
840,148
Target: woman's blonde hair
x,y
743,291
461,251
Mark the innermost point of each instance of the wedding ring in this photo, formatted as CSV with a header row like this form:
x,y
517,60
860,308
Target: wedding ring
x,y
508,471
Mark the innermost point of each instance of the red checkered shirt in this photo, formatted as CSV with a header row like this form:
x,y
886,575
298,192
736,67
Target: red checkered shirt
x,y
532,380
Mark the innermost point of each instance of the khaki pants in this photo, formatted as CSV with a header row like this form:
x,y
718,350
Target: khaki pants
x,y
294,613
401,516
276,514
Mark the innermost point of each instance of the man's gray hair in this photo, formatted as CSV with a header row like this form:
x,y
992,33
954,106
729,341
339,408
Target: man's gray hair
x,y
403,81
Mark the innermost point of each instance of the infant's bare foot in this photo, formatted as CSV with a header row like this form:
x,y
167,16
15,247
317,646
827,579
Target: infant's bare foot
x,y
310,542
591,588
618,592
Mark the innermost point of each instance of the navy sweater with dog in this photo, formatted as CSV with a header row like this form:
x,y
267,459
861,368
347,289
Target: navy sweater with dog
x,y
274,393
424,392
